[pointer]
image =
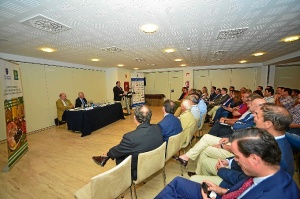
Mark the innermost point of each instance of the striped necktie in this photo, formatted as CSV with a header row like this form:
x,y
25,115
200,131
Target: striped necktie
x,y
237,193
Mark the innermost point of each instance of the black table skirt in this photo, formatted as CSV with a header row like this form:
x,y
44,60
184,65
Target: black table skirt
x,y
87,121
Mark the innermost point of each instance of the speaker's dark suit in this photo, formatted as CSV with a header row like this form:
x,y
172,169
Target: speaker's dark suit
x,y
145,138
78,102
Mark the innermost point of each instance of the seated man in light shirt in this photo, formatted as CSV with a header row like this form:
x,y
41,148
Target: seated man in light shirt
x,y
62,104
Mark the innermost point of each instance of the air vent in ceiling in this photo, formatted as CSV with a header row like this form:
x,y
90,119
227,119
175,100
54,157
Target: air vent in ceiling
x,y
112,49
139,59
218,52
231,33
43,23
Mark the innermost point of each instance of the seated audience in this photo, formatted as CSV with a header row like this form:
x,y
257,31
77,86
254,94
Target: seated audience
x,y
170,125
259,156
269,95
213,93
285,98
184,93
295,93
202,106
145,138
226,110
204,95
80,100
258,92
260,88
218,100
275,120
226,126
295,111
211,146
62,104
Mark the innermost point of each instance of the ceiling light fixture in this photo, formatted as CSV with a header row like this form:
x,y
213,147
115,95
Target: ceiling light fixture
x,y
120,65
95,59
135,68
243,61
258,54
178,59
47,50
183,65
149,28
169,50
291,38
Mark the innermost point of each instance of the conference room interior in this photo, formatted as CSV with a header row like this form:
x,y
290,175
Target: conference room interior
x,y
59,161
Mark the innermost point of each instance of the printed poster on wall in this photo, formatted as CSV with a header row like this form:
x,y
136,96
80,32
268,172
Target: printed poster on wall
x,y
14,112
137,86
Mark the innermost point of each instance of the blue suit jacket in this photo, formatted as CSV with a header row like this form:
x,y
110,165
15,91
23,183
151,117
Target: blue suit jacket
x,y
170,125
280,185
235,174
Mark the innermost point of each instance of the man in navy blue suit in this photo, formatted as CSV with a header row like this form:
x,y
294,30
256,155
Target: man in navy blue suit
x,y
170,125
259,155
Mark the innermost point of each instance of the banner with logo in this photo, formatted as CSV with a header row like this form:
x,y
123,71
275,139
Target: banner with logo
x,y
14,112
137,86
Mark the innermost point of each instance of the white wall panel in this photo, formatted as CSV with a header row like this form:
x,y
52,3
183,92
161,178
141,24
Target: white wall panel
x,y
287,76
244,77
220,78
37,111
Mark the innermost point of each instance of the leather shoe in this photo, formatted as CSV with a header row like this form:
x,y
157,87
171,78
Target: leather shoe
x,y
100,160
191,173
181,161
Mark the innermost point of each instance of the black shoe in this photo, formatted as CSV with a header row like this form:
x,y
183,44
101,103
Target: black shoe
x,y
181,161
191,173
100,160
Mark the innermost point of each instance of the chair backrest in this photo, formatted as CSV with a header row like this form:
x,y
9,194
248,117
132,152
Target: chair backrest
x,y
174,145
113,182
202,122
150,162
185,142
190,131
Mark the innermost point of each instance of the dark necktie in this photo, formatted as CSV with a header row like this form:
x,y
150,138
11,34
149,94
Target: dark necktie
x,y
237,193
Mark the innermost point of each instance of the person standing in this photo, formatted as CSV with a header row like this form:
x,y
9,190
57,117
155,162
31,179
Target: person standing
x,y
80,100
118,92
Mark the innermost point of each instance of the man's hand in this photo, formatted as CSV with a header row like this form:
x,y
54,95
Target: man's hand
x,y
221,164
215,188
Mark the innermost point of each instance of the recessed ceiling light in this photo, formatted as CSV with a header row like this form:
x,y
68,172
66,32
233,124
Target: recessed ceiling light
x,y
169,50
243,61
149,28
183,65
95,59
178,59
48,50
135,68
120,65
291,38
258,54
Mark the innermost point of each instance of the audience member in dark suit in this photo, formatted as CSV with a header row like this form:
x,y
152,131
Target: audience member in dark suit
x,y
80,100
213,94
259,156
170,125
145,138
118,92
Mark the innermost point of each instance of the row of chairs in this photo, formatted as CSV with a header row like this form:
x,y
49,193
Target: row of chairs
x,y
117,180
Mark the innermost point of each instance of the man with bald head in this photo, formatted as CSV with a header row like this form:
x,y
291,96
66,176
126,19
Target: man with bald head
x,y
62,104
144,138
186,118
